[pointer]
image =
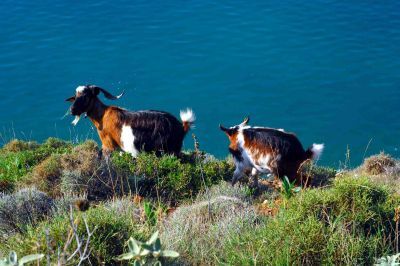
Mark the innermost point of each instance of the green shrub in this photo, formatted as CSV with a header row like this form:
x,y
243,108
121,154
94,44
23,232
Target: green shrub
x,y
168,177
18,158
316,176
15,165
111,229
56,144
350,223
57,167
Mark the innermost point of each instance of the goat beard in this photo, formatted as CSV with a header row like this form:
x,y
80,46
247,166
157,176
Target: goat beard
x,y
76,120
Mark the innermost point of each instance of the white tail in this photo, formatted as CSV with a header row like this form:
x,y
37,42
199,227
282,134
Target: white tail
x,y
188,117
317,150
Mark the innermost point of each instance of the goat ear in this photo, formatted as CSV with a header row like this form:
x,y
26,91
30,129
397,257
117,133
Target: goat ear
x,y
71,99
227,131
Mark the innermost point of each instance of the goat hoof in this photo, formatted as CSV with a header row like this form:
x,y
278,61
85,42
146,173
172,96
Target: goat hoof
x,y
100,155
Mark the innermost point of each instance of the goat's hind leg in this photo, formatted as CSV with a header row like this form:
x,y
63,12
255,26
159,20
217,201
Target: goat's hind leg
x,y
254,177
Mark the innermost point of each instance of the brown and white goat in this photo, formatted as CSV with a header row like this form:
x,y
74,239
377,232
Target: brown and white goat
x,y
131,132
267,151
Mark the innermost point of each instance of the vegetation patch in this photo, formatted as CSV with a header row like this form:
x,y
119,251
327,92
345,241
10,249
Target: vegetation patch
x,y
111,228
45,176
349,223
199,230
316,176
378,164
170,178
22,209
19,145
346,218
18,158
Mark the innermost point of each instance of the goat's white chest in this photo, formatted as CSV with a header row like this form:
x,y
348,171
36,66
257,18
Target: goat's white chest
x,y
128,140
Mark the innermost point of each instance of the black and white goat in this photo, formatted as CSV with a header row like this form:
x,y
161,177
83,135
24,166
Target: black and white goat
x,y
268,151
130,131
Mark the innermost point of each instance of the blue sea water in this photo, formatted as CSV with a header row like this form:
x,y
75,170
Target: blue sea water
x,y
327,70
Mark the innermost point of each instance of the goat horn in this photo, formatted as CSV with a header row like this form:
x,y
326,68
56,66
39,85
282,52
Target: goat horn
x,y
245,121
109,95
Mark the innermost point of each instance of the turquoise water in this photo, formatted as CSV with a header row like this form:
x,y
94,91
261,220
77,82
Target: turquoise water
x,y
327,70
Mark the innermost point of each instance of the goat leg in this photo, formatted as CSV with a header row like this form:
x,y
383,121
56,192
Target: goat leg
x,y
237,175
100,154
254,177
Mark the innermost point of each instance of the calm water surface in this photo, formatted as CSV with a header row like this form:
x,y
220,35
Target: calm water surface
x,y
327,70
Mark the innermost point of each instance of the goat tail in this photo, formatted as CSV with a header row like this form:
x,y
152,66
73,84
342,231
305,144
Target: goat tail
x,y
188,117
315,151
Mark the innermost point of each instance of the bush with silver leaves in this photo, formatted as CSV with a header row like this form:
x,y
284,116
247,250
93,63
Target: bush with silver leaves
x,y
12,259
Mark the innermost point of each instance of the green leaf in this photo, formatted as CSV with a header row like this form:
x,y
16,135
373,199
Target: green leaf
x,y
153,238
157,263
395,257
148,210
126,256
156,254
13,257
5,262
30,258
137,263
157,245
297,189
133,246
144,252
169,254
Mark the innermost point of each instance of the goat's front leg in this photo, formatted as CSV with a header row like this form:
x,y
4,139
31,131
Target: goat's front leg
x,y
100,154
104,153
237,175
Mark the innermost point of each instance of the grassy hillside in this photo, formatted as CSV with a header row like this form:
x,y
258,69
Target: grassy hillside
x,y
350,217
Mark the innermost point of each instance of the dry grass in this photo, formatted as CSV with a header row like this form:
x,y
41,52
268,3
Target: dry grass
x,y
382,169
19,145
83,172
83,158
378,164
46,176
79,172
